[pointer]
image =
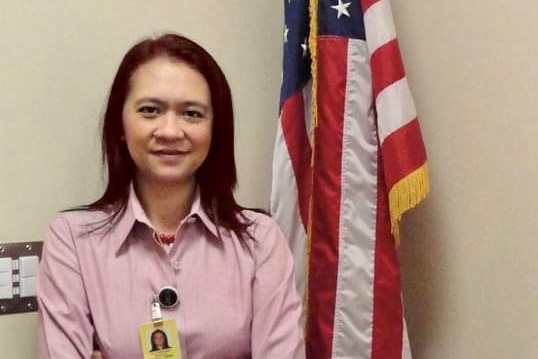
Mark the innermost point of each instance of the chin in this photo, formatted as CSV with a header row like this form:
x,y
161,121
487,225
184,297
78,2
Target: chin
x,y
174,180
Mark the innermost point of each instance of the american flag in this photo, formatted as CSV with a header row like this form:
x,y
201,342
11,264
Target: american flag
x,y
349,160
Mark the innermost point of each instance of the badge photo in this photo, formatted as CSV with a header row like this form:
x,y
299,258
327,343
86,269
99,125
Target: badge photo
x,y
159,340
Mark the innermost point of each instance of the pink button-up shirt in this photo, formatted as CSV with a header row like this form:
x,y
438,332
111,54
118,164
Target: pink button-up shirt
x,y
237,300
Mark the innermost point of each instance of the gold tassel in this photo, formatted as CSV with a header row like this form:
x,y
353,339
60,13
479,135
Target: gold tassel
x,y
312,46
406,194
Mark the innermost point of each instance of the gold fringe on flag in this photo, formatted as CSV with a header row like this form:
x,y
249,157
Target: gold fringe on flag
x,y
312,48
406,194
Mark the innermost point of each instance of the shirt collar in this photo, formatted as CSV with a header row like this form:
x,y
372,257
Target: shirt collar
x,y
123,225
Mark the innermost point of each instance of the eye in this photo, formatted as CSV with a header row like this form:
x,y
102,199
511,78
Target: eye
x,y
149,111
193,114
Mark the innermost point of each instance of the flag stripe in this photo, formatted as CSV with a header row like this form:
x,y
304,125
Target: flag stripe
x,y
299,149
407,143
388,320
287,211
395,105
406,348
367,3
352,336
326,204
378,22
387,65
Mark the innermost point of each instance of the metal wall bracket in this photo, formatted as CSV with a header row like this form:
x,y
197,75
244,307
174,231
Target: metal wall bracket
x,y
21,296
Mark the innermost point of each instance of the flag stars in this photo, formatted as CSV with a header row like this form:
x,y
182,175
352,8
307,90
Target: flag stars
x,y
342,9
304,46
286,31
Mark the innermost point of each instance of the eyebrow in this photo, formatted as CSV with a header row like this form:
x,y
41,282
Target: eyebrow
x,y
162,103
149,99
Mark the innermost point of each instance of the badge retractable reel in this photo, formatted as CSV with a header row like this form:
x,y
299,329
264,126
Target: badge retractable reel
x,y
167,297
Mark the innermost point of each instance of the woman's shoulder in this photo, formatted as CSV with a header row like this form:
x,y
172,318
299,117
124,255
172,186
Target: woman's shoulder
x,y
267,242
261,227
79,220
81,215
258,220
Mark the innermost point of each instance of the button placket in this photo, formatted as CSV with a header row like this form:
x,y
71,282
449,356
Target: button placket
x,y
175,253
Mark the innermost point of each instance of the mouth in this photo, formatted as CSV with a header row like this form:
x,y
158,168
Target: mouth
x,y
168,153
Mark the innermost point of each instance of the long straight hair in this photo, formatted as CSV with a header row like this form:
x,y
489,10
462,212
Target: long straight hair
x,y
217,176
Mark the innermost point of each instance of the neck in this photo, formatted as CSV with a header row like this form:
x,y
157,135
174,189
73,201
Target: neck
x,y
165,206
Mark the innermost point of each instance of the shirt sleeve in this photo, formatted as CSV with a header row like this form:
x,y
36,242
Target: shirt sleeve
x,y
64,324
276,332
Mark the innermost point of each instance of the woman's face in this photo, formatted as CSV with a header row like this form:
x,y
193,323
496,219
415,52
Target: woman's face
x,y
158,339
167,121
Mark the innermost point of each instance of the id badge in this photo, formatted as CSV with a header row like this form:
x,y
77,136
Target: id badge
x,y
159,340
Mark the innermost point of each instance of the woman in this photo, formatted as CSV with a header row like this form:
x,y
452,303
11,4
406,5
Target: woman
x,y
159,341
168,219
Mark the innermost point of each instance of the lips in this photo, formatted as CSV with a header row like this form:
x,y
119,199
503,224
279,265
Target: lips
x,y
171,155
168,152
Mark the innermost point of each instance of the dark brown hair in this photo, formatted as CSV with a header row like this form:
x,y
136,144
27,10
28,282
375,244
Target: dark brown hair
x,y
217,176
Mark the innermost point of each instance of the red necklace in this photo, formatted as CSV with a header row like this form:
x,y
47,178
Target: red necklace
x,y
167,238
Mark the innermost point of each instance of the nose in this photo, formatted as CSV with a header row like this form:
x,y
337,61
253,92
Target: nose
x,y
169,128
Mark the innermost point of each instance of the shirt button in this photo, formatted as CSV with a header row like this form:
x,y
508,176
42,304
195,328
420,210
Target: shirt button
x,y
175,265
191,220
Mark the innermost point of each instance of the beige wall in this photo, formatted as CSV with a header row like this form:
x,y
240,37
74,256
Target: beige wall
x,y
468,252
